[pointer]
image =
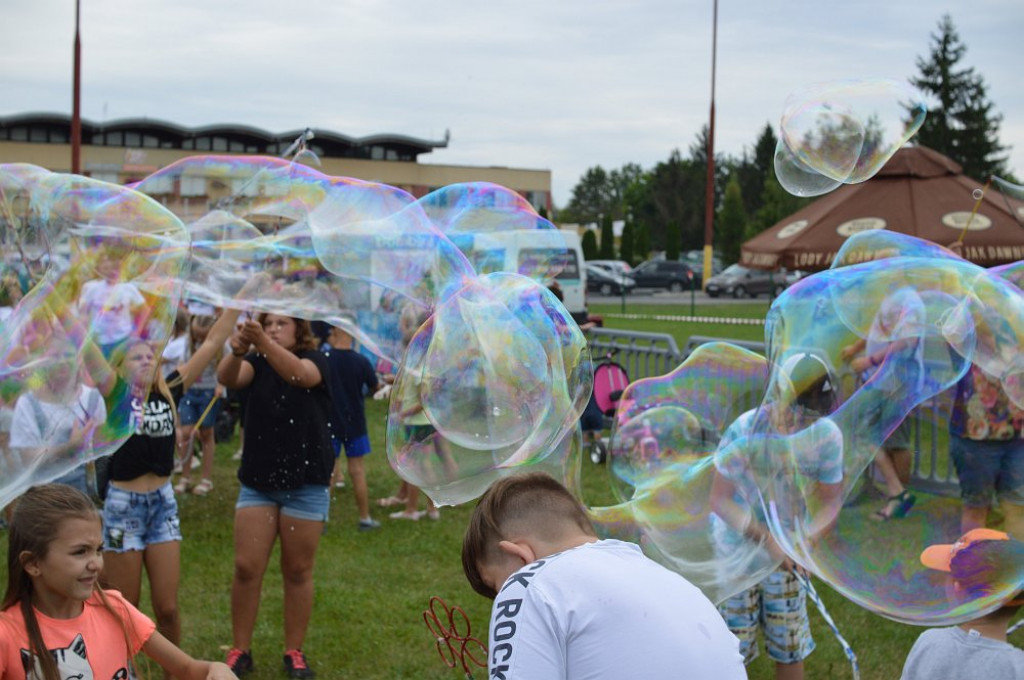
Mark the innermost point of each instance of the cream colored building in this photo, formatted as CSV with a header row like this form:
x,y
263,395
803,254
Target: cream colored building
x,y
127,150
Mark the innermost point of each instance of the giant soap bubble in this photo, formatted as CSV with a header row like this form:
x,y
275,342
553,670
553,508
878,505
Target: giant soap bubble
x,y
730,464
843,132
490,383
103,269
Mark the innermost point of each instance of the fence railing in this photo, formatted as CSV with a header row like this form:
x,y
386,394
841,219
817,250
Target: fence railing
x,y
647,355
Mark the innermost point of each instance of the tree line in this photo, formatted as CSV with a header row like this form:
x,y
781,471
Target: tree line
x,y
663,207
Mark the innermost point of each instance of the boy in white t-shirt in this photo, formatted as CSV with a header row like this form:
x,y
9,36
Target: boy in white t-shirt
x,y
567,605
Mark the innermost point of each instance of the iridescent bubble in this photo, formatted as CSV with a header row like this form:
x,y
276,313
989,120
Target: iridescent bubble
x,y
977,194
104,268
779,473
491,382
843,132
668,446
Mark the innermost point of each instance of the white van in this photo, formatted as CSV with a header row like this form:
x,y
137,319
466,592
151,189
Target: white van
x,y
514,251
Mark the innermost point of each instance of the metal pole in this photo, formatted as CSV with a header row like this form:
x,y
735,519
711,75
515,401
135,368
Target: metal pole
x,y
76,114
709,194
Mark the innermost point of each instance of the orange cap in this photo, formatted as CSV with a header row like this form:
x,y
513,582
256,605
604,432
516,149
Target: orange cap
x,y
940,556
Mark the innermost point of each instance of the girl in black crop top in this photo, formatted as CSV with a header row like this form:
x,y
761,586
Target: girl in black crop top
x,y
140,516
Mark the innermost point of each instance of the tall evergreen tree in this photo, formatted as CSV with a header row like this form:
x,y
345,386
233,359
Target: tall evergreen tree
x,y
960,122
607,238
626,241
672,240
642,241
731,222
589,245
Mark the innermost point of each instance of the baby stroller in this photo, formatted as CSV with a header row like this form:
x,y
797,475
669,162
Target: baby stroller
x,y
610,379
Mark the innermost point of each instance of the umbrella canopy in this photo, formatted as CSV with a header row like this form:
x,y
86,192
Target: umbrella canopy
x,y
918,192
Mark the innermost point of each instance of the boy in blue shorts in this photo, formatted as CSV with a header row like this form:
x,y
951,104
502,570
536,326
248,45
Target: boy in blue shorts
x,y
351,376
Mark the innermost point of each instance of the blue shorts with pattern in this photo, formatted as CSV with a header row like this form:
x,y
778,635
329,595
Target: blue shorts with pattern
x,y
132,521
778,606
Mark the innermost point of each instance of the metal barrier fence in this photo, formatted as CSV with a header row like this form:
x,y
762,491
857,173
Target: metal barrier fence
x,y
647,355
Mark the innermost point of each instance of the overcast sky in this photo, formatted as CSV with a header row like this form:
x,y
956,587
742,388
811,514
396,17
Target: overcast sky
x,y
562,85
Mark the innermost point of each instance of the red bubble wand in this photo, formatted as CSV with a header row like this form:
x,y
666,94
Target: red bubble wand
x,y
455,646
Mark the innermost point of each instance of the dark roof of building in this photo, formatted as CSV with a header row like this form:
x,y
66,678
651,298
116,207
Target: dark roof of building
x,y
164,134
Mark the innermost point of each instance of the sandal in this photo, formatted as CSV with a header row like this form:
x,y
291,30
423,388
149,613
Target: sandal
x,y
903,503
204,487
403,514
182,486
390,501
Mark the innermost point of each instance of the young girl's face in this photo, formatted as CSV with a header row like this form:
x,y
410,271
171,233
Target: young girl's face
x,y
68,573
139,364
280,329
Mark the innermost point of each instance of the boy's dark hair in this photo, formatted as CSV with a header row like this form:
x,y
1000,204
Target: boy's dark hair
x,y
531,503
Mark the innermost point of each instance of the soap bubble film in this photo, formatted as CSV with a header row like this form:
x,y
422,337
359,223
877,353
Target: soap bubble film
x,y
843,132
93,272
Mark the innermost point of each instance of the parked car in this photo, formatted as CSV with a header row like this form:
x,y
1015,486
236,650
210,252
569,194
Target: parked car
x,y
739,281
675,276
607,283
614,266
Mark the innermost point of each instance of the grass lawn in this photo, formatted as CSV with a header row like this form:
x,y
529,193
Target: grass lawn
x,y
372,587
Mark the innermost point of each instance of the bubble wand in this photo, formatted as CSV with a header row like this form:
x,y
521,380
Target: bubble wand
x,y
192,434
978,194
453,647
808,587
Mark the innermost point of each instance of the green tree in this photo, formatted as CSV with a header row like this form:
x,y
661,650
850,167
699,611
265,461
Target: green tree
x,y
626,242
642,241
776,205
731,222
672,240
961,122
753,170
589,245
607,238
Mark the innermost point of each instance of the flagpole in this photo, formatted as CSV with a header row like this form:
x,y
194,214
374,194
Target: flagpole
x,y
76,113
709,193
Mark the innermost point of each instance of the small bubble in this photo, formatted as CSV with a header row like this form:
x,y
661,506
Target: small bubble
x,y
977,194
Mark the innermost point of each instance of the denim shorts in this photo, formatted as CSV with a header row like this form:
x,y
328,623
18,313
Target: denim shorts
x,y
987,467
311,502
356,447
132,521
194,403
778,605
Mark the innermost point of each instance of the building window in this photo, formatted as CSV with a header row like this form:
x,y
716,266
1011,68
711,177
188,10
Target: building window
x,y
377,153
37,134
58,136
19,134
132,139
192,185
115,139
202,143
150,142
236,147
220,144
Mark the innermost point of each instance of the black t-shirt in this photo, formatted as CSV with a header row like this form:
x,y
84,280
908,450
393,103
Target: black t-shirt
x,y
151,448
349,374
287,438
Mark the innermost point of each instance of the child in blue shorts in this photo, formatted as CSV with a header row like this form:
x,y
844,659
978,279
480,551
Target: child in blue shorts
x,y
350,378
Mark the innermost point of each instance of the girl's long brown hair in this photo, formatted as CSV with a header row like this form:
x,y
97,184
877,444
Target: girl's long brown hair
x,y
34,526
304,337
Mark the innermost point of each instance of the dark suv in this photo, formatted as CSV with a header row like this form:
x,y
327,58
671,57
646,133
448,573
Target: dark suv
x,y
738,281
675,276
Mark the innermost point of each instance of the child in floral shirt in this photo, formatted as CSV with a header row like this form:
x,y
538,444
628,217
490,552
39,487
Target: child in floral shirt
x,y
988,451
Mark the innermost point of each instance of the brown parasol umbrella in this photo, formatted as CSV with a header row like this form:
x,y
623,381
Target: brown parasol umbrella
x,y
918,192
